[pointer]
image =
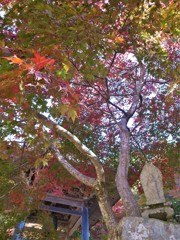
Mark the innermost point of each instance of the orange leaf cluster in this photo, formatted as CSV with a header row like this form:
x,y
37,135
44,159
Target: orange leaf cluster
x,y
14,59
119,40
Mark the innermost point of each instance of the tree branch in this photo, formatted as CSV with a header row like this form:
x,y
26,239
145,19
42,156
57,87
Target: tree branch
x,y
137,93
89,181
112,62
120,109
107,99
77,143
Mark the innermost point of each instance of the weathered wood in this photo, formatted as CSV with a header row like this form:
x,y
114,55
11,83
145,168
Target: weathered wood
x,y
61,210
74,202
74,227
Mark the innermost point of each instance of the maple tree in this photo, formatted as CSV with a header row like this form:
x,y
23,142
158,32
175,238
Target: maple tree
x,y
89,83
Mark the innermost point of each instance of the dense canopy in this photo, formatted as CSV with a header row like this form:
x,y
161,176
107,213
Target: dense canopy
x,y
88,90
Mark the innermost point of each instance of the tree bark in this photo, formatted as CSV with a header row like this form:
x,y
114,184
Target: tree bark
x,y
115,234
128,199
105,206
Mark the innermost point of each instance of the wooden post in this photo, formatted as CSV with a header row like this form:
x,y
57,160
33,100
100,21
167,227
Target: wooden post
x,y
85,224
55,222
18,230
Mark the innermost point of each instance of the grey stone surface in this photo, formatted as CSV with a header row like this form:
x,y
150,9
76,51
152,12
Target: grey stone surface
x,y
168,211
136,228
151,180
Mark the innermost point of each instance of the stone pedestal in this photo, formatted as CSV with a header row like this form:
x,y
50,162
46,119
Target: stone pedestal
x,y
161,211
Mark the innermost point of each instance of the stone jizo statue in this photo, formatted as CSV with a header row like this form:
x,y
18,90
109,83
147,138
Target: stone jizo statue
x,y
151,180
156,205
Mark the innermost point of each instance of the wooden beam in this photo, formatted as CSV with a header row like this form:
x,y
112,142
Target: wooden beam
x,y
61,210
76,225
74,202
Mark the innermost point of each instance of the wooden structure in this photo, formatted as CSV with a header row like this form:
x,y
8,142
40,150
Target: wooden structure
x,y
70,213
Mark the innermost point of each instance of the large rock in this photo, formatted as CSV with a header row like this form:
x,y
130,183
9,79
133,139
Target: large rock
x,y
137,228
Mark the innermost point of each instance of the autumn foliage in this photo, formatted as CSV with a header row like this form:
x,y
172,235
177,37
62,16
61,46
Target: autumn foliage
x,y
88,94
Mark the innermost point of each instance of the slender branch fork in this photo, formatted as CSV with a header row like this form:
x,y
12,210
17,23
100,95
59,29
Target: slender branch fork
x,y
98,184
78,144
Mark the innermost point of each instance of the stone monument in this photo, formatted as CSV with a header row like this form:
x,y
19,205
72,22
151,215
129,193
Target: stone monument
x,y
156,205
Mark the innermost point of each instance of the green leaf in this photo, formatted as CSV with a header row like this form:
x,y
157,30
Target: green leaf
x,y
41,161
72,114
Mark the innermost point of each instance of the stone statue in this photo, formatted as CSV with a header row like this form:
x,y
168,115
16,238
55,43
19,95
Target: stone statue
x,y
156,205
151,180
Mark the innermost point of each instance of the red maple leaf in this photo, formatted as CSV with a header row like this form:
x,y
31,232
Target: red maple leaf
x,y
41,62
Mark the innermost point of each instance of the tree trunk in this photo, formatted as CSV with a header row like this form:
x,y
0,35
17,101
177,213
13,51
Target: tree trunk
x,y
115,234
105,206
128,199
